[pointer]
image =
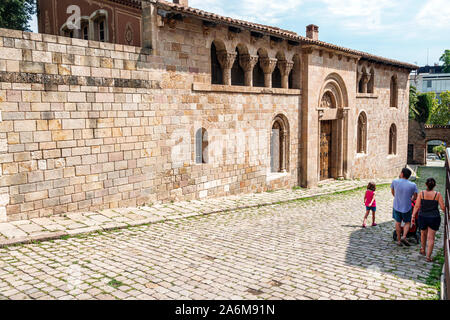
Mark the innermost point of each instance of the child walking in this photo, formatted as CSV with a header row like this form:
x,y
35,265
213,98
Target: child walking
x,y
370,203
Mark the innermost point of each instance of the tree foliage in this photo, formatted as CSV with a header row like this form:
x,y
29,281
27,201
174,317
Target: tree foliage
x,y
440,112
424,105
15,14
445,58
439,150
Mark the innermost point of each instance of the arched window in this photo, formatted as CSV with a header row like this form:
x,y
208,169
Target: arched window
x,y
258,73
394,92
201,146
279,145
362,133
237,73
216,70
393,139
99,21
276,78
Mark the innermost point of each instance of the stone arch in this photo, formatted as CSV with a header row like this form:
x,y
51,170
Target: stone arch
x,y
216,70
334,86
361,134
258,73
279,144
237,73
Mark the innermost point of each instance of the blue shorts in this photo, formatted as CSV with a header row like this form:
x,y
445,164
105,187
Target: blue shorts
x,y
374,209
402,216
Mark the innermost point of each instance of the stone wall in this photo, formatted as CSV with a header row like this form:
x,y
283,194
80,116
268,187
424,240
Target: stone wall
x,y
89,125
419,136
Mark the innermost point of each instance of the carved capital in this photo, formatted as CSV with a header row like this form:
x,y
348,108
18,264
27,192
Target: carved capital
x,y
285,67
268,64
226,59
248,62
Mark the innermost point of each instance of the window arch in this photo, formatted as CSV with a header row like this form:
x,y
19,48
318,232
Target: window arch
x,y
393,140
394,92
295,74
362,133
216,70
276,78
279,145
99,23
201,146
237,73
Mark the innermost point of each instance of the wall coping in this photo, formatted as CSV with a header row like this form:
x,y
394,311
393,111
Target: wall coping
x,y
205,87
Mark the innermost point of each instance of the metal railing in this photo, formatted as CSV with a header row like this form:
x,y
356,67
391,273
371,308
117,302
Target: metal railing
x,y
446,288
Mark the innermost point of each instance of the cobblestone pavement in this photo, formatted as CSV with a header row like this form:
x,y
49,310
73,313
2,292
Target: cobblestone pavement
x,y
26,231
307,249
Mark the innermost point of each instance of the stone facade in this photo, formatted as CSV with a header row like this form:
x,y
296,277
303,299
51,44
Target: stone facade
x,y
88,125
418,138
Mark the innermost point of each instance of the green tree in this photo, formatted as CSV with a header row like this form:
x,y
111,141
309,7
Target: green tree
x,y
439,151
15,14
424,104
445,58
413,102
440,112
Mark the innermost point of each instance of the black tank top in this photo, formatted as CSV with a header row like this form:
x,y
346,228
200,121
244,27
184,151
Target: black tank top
x,y
429,208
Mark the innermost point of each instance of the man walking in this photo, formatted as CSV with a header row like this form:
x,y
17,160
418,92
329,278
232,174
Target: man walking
x,y
404,192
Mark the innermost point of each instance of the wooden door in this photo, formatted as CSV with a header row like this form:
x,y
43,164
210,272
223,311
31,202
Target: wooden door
x,y
325,149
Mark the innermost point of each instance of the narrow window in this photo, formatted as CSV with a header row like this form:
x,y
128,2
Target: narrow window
x,y
394,92
237,73
85,32
276,78
362,134
201,146
101,30
279,145
393,140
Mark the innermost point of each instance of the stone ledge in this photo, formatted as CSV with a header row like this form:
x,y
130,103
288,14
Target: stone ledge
x,y
243,89
366,96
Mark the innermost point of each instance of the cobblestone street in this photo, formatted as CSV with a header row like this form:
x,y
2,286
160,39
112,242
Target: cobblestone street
x,y
306,249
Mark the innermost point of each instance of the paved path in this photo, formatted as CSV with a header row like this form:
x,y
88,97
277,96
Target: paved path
x,y
308,249
27,231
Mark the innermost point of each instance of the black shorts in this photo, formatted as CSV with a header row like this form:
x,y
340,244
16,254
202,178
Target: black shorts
x,y
429,222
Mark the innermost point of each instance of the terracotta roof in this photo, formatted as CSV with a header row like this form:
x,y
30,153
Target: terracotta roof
x,y
286,34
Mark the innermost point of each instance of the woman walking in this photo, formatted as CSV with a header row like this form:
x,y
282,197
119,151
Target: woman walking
x,y
429,221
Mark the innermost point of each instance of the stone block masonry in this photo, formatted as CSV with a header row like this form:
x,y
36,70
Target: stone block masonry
x,y
89,125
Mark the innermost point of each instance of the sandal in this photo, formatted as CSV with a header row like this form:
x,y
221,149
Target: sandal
x,y
405,242
422,252
374,224
364,225
429,259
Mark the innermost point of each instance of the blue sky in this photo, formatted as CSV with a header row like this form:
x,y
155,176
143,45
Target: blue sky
x,y
399,29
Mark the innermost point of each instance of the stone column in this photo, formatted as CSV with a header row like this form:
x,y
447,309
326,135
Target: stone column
x,y
248,62
359,76
365,80
268,65
226,60
285,69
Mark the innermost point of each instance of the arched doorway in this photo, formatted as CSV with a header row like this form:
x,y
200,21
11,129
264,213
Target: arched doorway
x,y
332,129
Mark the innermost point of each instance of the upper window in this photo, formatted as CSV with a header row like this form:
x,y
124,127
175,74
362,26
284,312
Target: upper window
x,y
216,70
394,93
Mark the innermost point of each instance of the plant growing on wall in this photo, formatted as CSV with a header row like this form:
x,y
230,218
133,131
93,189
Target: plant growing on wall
x,y
413,102
15,14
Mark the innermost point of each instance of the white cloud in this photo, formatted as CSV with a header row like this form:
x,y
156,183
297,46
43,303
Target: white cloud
x,y
434,14
360,15
260,11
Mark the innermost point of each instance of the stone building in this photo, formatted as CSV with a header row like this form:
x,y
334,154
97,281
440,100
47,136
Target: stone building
x,y
207,106
419,135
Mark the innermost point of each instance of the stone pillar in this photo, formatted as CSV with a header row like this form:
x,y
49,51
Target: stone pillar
x,y
360,74
365,80
248,62
285,68
149,25
268,65
226,60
